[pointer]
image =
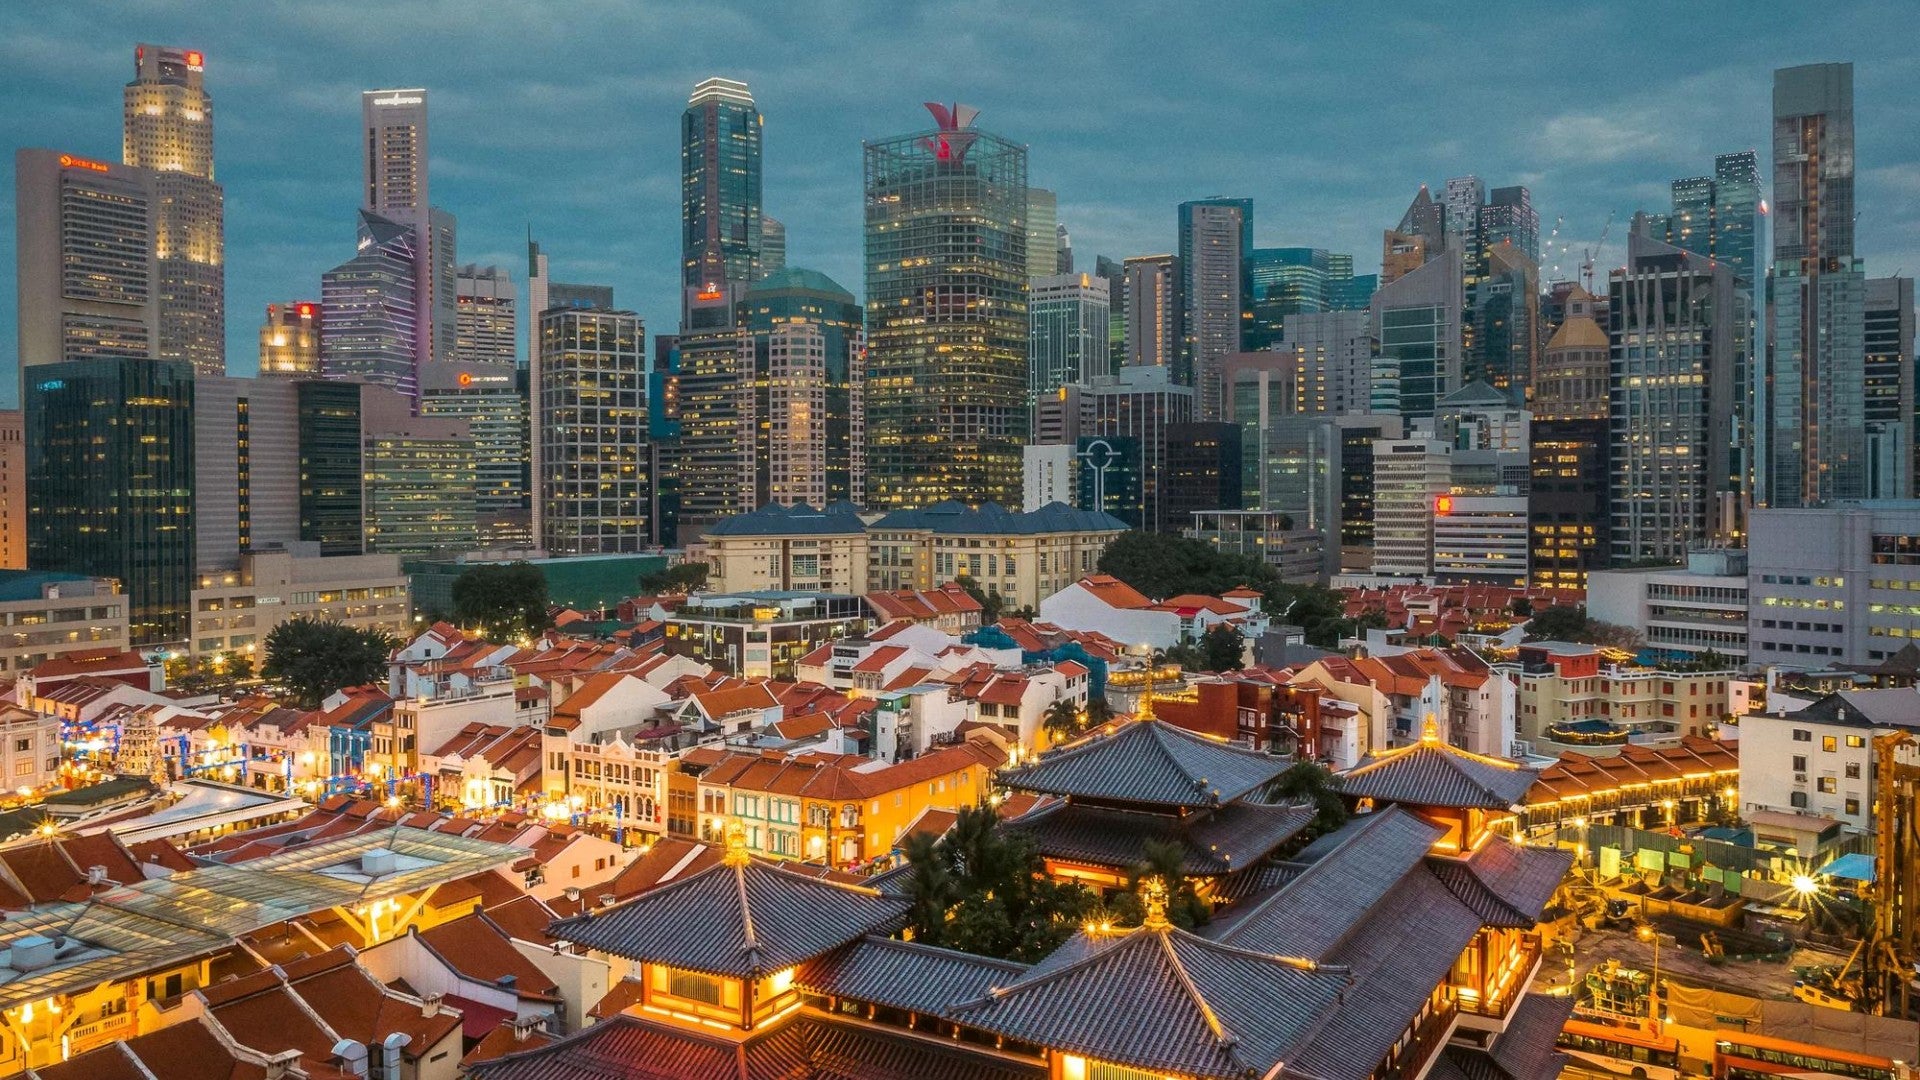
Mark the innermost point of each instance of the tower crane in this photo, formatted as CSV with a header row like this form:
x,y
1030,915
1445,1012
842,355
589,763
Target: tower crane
x,y
1586,264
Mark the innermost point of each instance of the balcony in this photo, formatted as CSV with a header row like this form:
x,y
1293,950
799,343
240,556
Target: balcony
x,y
1489,1009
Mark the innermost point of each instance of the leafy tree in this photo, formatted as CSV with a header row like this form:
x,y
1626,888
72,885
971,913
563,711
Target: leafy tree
x,y
507,601
1165,860
1222,648
1563,623
1098,712
1523,607
676,580
315,658
1308,782
1063,720
1559,623
992,604
982,890
1162,565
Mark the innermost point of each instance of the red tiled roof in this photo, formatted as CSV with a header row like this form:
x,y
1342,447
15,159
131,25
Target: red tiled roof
x,y
1113,592
480,949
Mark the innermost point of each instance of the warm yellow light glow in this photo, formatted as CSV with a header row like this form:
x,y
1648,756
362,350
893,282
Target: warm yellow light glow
x,y
1073,1067
782,981
1805,885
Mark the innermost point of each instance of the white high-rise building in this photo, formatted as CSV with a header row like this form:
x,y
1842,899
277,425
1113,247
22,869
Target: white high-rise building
x,y
1067,342
167,126
485,320
396,188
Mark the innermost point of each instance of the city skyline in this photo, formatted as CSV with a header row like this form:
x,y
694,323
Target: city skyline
x,y
1121,147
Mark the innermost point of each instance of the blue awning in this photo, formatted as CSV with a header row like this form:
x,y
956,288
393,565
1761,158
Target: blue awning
x,y
1852,867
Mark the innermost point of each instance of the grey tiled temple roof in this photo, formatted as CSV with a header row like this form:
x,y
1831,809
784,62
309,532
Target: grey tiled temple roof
x,y
1150,763
744,921
1167,1001
1525,1051
906,975
1322,906
810,1047
1431,773
1505,883
1232,838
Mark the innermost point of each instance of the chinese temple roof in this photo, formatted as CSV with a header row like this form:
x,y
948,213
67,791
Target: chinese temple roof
x,y
1168,1001
740,918
1432,773
1150,763
1232,838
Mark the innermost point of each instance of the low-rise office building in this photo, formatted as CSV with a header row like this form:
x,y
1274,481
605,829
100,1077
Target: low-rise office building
x,y
1022,556
1684,612
761,633
44,614
234,610
1834,585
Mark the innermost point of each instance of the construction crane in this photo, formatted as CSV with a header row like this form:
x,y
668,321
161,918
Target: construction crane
x,y
1886,967
1586,264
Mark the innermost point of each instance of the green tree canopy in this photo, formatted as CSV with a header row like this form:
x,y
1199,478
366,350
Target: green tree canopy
x,y
1161,565
1308,782
1222,648
982,890
992,604
507,601
315,658
1562,623
1163,859
1063,719
675,580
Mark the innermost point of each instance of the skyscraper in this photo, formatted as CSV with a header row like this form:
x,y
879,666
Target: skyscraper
x,y
1153,311
713,451
395,123
372,308
290,340
1812,439
946,294
1068,339
809,385
1464,196
543,295
1719,215
592,399
485,327
1043,233
1891,400
85,267
1509,219
110,481
168,128
1216,237
773,246
1421,235
486,397
720,216
1678,338
1416,320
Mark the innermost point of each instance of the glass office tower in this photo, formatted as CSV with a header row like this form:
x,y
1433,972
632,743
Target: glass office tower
x,y
720,214
946,277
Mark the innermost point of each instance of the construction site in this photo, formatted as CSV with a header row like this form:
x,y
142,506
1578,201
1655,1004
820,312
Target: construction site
x,y
1673,960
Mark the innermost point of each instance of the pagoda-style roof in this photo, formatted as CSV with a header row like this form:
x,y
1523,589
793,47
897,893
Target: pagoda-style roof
x,y
1149,763
1432,773
906,975
1505,883
1217,842
741,918
809,1047
1348,874
1163,1000
1524,1051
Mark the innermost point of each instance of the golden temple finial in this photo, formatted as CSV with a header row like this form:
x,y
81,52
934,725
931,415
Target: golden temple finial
x,y
736,854
1430,730
1153,897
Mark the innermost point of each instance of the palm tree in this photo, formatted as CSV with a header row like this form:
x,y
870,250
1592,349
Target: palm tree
x,y
1063,720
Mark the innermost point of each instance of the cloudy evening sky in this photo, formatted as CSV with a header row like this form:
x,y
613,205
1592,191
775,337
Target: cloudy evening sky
x,y
564,116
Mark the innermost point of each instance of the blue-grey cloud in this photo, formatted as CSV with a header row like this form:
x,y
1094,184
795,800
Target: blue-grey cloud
x,y
564,119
